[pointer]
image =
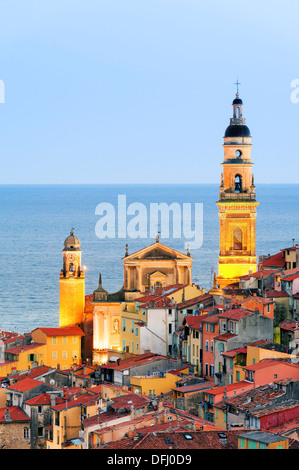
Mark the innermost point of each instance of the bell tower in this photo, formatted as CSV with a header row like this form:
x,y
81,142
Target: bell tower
x,y
237,202
72,284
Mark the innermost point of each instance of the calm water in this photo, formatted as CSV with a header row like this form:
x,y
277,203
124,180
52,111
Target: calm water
x,y
35,220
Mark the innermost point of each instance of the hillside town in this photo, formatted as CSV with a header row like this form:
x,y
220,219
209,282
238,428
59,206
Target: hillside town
x,y
164,363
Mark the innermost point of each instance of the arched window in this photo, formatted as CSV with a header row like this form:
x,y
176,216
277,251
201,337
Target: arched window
x,y
238,184
237,239
72,268
158,285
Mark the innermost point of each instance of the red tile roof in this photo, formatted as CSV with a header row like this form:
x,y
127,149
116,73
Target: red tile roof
x,y
127,401
236,313
205,298
274,260
25,384
274,293
291,325
44,399
134,361
23,348
63,331
16,414
224,336
85,399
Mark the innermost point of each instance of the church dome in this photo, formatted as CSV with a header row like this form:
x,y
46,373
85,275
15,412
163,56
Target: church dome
x,y
72,242
237,101
237,130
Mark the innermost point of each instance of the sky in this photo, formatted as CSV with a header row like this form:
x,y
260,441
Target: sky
x,y
140,91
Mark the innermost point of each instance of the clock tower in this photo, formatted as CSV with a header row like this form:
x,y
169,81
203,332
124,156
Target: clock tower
x,y
237,202
72,284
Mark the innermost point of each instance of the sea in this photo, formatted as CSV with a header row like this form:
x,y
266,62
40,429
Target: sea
x,y
36,219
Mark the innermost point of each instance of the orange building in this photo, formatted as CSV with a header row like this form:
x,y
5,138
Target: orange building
x,y
237,202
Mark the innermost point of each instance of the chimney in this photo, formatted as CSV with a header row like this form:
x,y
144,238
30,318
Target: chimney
x,y
52,400
7,415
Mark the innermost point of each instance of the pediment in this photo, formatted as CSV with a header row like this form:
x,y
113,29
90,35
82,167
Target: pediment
x,y
157,251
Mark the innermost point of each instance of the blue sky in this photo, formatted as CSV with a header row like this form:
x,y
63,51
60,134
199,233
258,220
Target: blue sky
x,y
123,91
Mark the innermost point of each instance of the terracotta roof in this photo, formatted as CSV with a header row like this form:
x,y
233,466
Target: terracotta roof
x,y
291,325
23,348
291,277
195,300
278,408
189,440
274,293
195,387
236,313
270,362
34,372
63,331
15,414
274,260
224,337
85,399
234,352
258,396
231,387
133,361
44,399
127,401
25,384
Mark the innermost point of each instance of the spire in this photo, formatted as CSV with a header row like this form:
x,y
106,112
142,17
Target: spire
x,y
100,280
237,83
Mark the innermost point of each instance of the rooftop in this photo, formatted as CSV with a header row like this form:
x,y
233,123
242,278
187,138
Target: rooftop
x,y
264,437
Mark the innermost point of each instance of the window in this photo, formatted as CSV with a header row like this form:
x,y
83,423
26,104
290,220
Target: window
x,y
26,433
212,371
64,355
238,376
268,308
40,431
206,369
212,328
137,347
75,354
207,327
238,184
170,328
64,339
207,345
231,326
40,410
54,340
223,327
237,239
212,346
75,339
136,331
54,355
220,347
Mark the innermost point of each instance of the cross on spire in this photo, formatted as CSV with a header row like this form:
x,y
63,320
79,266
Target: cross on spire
x,y
237,83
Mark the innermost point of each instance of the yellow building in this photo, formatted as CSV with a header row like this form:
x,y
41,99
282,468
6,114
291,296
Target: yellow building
x,y
255,355
237,202
62,345
155,384
22,358
67,421
262,440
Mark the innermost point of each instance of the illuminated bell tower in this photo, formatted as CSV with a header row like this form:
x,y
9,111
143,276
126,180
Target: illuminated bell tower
x,y
72,284
237,202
